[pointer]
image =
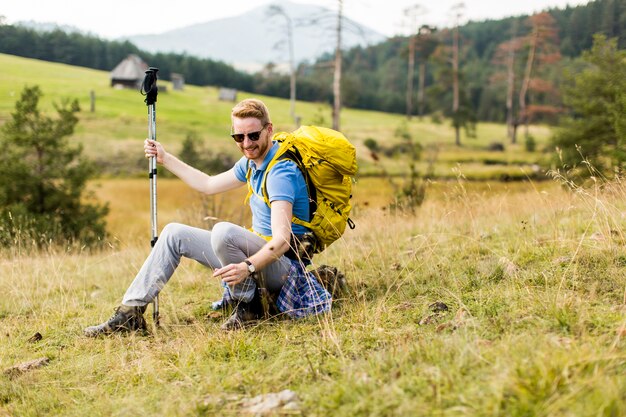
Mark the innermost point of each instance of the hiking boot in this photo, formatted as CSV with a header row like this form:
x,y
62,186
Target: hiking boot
x,y
125,319
244,314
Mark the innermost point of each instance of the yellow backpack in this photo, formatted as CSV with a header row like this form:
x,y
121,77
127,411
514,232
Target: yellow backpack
x,y
328,162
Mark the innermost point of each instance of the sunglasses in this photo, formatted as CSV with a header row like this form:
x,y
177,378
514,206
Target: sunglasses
x,y
253,136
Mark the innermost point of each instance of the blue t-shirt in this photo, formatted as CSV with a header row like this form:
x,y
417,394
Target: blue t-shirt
x,y
284,182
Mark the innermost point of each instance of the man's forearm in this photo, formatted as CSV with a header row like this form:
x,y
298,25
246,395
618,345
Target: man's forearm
x,y
270,252
193,177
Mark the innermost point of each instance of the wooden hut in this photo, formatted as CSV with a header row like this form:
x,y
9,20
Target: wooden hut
x,y
129,73
178,81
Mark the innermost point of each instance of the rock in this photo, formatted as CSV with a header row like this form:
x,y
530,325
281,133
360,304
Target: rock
x,y
407,305
460,315
35,338
292,406
95,294
562,260
430,319
484,342
215,315
17,370
508,267
444,326
597,236
461,318
265,404
216,400
437,306
438,309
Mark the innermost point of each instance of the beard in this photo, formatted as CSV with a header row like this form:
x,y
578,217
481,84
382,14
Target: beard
x,y
257,149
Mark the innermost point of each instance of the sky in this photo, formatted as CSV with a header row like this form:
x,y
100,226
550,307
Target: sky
x,y
117,18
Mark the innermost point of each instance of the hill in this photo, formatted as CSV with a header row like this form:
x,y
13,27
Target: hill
x,y
258,38
113,133
374,77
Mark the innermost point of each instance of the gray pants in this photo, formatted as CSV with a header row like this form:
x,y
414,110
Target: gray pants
x,y
227,243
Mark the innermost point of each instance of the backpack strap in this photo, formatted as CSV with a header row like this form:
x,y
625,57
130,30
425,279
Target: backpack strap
x,y
293,155
269,166
248,175
264,195
290,152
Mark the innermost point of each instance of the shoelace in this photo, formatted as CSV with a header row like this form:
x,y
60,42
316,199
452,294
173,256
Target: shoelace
x,y
115,313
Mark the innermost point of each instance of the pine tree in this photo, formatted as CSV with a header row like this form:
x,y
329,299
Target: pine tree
x,y
43,178
596,127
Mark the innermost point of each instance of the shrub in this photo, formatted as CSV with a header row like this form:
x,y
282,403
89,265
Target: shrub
x,y
593,131
371,144
195,154
413,192
530,144
43,178
496,147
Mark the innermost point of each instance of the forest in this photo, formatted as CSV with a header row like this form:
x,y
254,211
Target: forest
x,y
498,62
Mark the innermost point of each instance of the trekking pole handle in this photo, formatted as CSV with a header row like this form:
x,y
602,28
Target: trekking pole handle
x,y
149,86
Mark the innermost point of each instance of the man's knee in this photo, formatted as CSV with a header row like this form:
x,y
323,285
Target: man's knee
x,y
172,229
223,234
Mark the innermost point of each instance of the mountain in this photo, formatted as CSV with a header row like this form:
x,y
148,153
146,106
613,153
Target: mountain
x,y
253,39
49,27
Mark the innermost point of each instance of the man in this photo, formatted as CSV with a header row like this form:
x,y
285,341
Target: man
x,y
237,254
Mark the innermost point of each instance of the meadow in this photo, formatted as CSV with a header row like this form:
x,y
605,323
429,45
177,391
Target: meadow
x,y
491,299
531,276
113,134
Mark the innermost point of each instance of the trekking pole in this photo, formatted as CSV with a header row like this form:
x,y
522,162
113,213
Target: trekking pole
x,y
150,90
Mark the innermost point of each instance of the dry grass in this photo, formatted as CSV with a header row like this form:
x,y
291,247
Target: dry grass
x,y
532,276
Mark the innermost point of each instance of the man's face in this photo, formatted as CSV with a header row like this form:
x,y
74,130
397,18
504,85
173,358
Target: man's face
x,y
254,150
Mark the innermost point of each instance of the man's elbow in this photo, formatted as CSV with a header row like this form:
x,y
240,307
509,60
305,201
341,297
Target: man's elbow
x,y
279,246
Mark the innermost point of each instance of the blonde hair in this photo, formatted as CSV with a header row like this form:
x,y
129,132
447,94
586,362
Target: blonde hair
x,y
252,107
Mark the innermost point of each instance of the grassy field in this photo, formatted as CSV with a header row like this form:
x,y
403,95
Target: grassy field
x,y
113,134
531,275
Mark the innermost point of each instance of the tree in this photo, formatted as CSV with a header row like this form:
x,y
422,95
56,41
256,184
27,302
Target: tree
x,y
442,92
337,71
276,10
411,13
410,76
542,49
426,44
596,125
458,114
451,80
43,178
504,56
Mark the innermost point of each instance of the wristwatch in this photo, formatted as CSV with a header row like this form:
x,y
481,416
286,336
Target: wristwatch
x,y
251,268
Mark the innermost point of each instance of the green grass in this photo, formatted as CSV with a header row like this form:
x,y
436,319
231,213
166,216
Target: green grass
x,y
532,275
113,134
533,278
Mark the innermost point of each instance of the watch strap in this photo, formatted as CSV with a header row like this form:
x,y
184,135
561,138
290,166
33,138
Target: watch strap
x,y
251,267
